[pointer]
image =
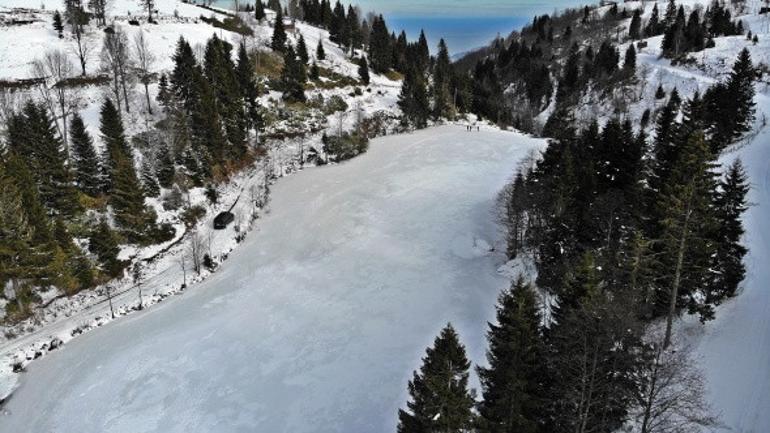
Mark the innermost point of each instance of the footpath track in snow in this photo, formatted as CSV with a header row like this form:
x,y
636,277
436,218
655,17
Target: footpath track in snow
x,y
315,323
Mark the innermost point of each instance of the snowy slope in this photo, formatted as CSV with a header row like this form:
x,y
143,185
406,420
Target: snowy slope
x,y
315,323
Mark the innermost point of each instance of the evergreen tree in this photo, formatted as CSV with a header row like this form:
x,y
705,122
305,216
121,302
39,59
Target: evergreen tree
x,y
150,185
33,136
15,237
635,28
292,78
57,24
380,46
274,5
259,10
183,75
224,81
423,51
439,397
441,72
164,167
629,63
653,27
510,385
115,144
320,54
731,106
245,73
363,70
413,100
86,162
730,204
278,43
302,50
164,93
103,243
206,131
127,201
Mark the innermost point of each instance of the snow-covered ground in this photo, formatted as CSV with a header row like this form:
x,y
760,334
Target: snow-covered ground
x,y
315,324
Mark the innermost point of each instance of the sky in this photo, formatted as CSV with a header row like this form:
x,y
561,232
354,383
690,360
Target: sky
x,y
464,8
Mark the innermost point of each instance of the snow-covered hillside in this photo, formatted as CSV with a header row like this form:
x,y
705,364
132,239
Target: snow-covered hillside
x,y
27,34
315,323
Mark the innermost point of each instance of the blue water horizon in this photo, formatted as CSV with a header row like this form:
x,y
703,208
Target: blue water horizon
x,y
461,34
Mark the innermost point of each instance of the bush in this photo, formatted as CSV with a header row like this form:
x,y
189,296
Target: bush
x,y
335,104
173,200
191,215
345,146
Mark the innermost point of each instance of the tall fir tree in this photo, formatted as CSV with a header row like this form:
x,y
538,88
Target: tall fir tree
x,y
86,162
320,53
292,80
511,387
134,219
380,46
259,10
246,74
440,400
441,72
413,100
302,50
278,42
730,204
33,136
115,143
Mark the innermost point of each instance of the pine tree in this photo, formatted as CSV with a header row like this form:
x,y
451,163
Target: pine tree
x,y
380,46
183,75
245,73
653,24
423,51
363,70
629,63
164,167
635,28
441,72
731,106
259,10
278,43
274,5
292,78
33,136
150,186
127,201
439,397
103,243
86,162
510,385
164,93
685,206
413,100
302,50
15,237
115,144
730,205
320,54
57,24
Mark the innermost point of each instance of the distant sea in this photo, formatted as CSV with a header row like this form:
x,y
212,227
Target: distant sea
x,y
460,33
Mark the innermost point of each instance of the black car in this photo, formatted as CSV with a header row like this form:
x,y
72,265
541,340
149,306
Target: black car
x,y
223,219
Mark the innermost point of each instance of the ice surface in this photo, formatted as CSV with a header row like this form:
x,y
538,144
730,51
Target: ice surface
x,y
315,324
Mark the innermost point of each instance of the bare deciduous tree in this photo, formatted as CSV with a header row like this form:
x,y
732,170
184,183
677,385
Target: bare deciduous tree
x,y
53,71
149,5
99,10
195,250
672,396
116,61
144,61
77,19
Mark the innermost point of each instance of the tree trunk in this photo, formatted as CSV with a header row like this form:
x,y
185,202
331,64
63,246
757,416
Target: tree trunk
x,y
677,279
147,95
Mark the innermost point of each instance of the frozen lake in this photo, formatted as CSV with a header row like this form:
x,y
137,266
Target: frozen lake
x,y
316,322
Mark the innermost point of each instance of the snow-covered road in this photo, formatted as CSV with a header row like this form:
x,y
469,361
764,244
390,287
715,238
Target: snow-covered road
x,y
316,322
